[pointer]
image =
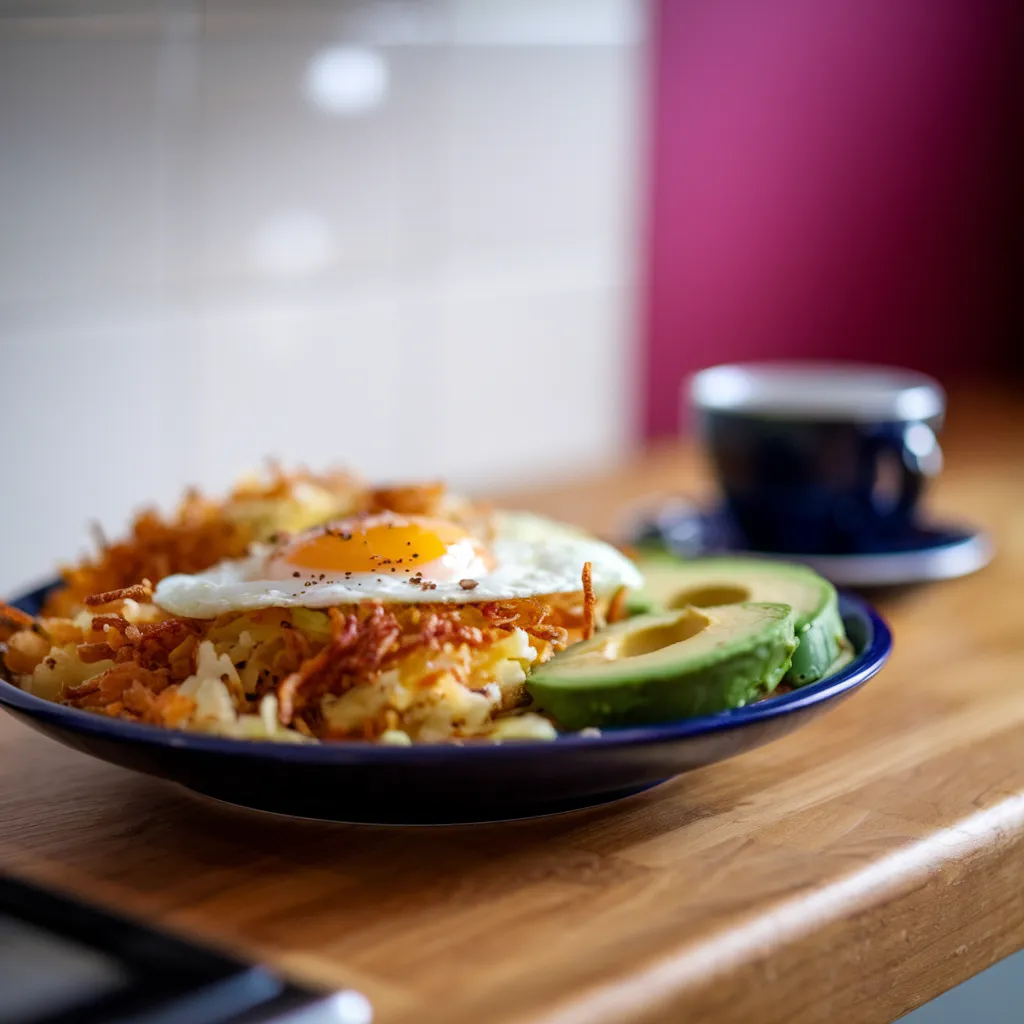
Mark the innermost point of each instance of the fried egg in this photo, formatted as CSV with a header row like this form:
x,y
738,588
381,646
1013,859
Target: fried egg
x,y
403,559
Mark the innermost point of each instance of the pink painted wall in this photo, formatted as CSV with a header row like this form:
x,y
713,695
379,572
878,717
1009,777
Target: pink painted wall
x,y
829,178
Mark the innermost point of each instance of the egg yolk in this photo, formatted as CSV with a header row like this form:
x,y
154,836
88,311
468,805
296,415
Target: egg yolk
x,y
376,544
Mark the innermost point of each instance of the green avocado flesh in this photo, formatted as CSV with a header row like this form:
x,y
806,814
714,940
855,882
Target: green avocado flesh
x,y
666,666
671,583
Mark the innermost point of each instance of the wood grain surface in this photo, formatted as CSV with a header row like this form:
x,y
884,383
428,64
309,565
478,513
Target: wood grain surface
x,y
848,872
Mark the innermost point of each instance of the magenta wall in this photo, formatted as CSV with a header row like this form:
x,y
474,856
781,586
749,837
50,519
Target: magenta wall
x,y
829,178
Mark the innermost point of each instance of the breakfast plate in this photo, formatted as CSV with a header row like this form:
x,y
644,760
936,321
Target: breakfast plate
x,y
442,783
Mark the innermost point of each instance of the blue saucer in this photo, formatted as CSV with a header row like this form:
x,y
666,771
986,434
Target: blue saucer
x,y
918,554
448,783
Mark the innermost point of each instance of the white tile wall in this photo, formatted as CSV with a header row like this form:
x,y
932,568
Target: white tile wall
x,y
397,234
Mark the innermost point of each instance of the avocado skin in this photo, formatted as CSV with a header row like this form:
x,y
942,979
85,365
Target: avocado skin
x,y
819,645
745,674
819,636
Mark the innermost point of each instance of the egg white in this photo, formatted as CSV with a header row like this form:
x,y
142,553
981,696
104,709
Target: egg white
x,y
533,555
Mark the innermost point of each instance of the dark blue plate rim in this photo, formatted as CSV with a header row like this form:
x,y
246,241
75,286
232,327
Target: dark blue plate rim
x,y
867,664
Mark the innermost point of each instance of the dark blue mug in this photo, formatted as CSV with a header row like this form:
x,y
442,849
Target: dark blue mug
x,y
820,458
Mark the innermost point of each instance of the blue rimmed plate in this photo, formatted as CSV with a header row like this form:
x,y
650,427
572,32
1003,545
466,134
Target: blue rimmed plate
x,y
448,783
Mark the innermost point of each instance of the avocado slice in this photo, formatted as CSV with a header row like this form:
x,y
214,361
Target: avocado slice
x,y
667,666
672,583
846,655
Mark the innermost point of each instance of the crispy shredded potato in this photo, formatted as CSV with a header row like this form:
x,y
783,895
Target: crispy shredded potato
x,y
589,601
199,535
413,500
203,532
425,672
136,592
12,620
389,673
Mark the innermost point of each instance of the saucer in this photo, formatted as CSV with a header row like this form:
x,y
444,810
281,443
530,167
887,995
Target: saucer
x,y
920,554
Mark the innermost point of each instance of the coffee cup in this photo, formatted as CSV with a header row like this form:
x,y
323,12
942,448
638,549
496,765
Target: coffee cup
x,y
820,458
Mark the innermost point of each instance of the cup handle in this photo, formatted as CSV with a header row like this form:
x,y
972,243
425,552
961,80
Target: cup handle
x,y
920,458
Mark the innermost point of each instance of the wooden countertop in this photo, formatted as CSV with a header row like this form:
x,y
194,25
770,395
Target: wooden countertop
x,y
848,872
